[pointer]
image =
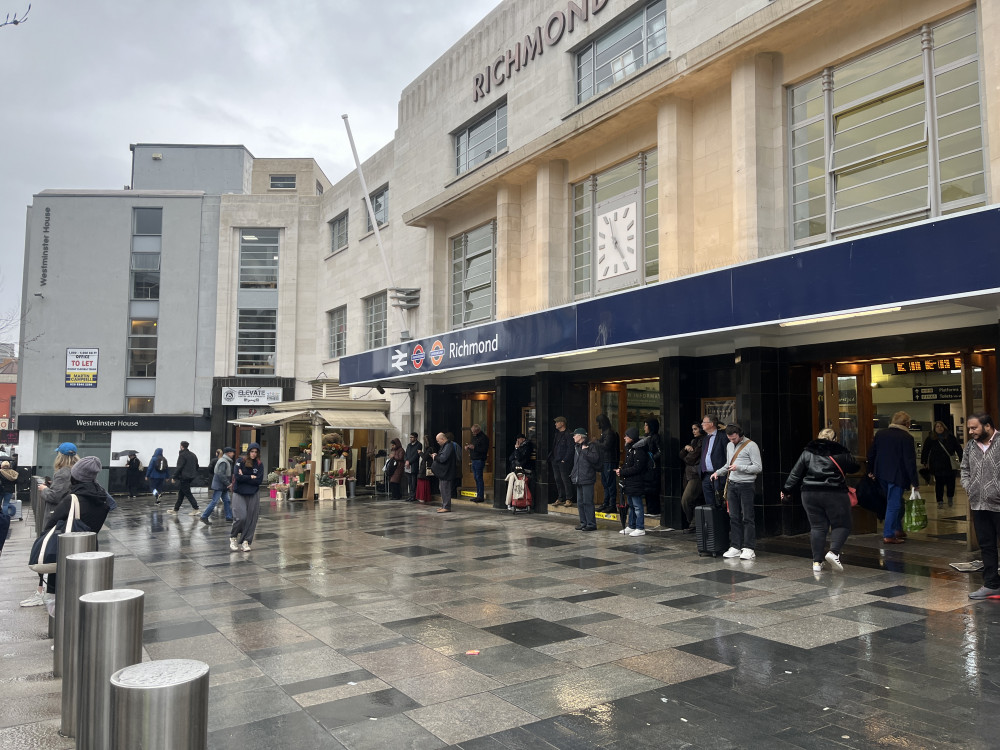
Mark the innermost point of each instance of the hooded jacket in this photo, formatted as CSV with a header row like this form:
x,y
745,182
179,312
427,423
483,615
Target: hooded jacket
x,y
815,471
248,474
8,479
634,469
151,471
222,476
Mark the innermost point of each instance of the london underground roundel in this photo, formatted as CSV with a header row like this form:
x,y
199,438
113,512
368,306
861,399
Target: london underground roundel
x,y
437,352
417,357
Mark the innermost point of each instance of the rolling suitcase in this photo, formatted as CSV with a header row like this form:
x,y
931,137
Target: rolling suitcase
x,y
14,510
711,525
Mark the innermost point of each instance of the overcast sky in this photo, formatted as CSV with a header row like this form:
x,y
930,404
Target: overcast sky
x,y
83,80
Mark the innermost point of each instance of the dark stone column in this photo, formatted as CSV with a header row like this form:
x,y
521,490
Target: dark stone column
x,y
758,376
679,407
547,403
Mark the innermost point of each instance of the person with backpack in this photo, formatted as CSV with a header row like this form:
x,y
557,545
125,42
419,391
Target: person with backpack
x,y
156,473
222,480
633,474
184,474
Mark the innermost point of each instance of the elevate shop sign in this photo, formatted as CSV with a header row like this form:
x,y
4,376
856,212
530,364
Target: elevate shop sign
x,y
512,339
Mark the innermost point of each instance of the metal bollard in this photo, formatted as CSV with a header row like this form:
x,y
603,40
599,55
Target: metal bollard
x,y
160,705
84,573
110,639
70,543
37,506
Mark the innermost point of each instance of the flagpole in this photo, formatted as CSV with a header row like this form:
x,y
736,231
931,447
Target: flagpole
x,y
404,333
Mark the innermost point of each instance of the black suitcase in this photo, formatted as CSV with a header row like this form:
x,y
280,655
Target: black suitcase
x,y
711,530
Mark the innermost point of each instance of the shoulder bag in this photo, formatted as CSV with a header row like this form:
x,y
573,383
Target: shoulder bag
x,y
852,493
725,488
953,459
45,549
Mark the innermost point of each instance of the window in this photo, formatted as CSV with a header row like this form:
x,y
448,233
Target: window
x,y
138,405
145,285
147,221
319,188
637,41
481,140
375,321
338,233
142,349
336,321
256,341
283,182
634,182
380,205
889,138
472,290
259,258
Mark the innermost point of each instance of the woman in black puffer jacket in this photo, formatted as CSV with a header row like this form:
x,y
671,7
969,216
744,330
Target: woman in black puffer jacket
x,y
820,471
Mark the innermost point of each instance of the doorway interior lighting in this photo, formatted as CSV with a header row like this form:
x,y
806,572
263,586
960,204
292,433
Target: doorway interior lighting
x,y
827,318
570,354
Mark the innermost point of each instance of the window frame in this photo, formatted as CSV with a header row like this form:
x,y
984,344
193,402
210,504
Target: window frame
x,y
336,325
497,117
282,181
380,194
254,274
461,290
822,206
246,353
653,43
376,320
140,342
343,218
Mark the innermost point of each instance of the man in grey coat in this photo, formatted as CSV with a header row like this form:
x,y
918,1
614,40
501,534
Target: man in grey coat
x,y
742,467
586,464
222,480
981,479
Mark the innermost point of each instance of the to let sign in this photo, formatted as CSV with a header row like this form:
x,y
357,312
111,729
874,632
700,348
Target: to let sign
x,y
81,368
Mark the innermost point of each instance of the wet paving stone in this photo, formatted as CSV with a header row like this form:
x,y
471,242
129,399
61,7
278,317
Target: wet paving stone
x,y
381,625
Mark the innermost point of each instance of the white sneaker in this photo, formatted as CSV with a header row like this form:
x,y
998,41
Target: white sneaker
x,y
638,532
817,567
747,554
627,530
172,512
246,546
233,545
35,600
834,561
195,512
731,552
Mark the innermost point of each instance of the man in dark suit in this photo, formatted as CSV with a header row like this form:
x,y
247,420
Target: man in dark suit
x,y
713,457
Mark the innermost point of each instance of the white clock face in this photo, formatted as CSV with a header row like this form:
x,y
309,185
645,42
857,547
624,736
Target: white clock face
x,y
616,232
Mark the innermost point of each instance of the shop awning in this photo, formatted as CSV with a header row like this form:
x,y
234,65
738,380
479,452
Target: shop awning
x,y
356,419
266,420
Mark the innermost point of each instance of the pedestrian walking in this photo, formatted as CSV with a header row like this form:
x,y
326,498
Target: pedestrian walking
x,y
156,473
586,465
222,480
821,472
981,480
248,473
741,469
940,453
185,473
633,473
892,461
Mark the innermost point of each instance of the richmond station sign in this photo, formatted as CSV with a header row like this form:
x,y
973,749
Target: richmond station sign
x,y
547,34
